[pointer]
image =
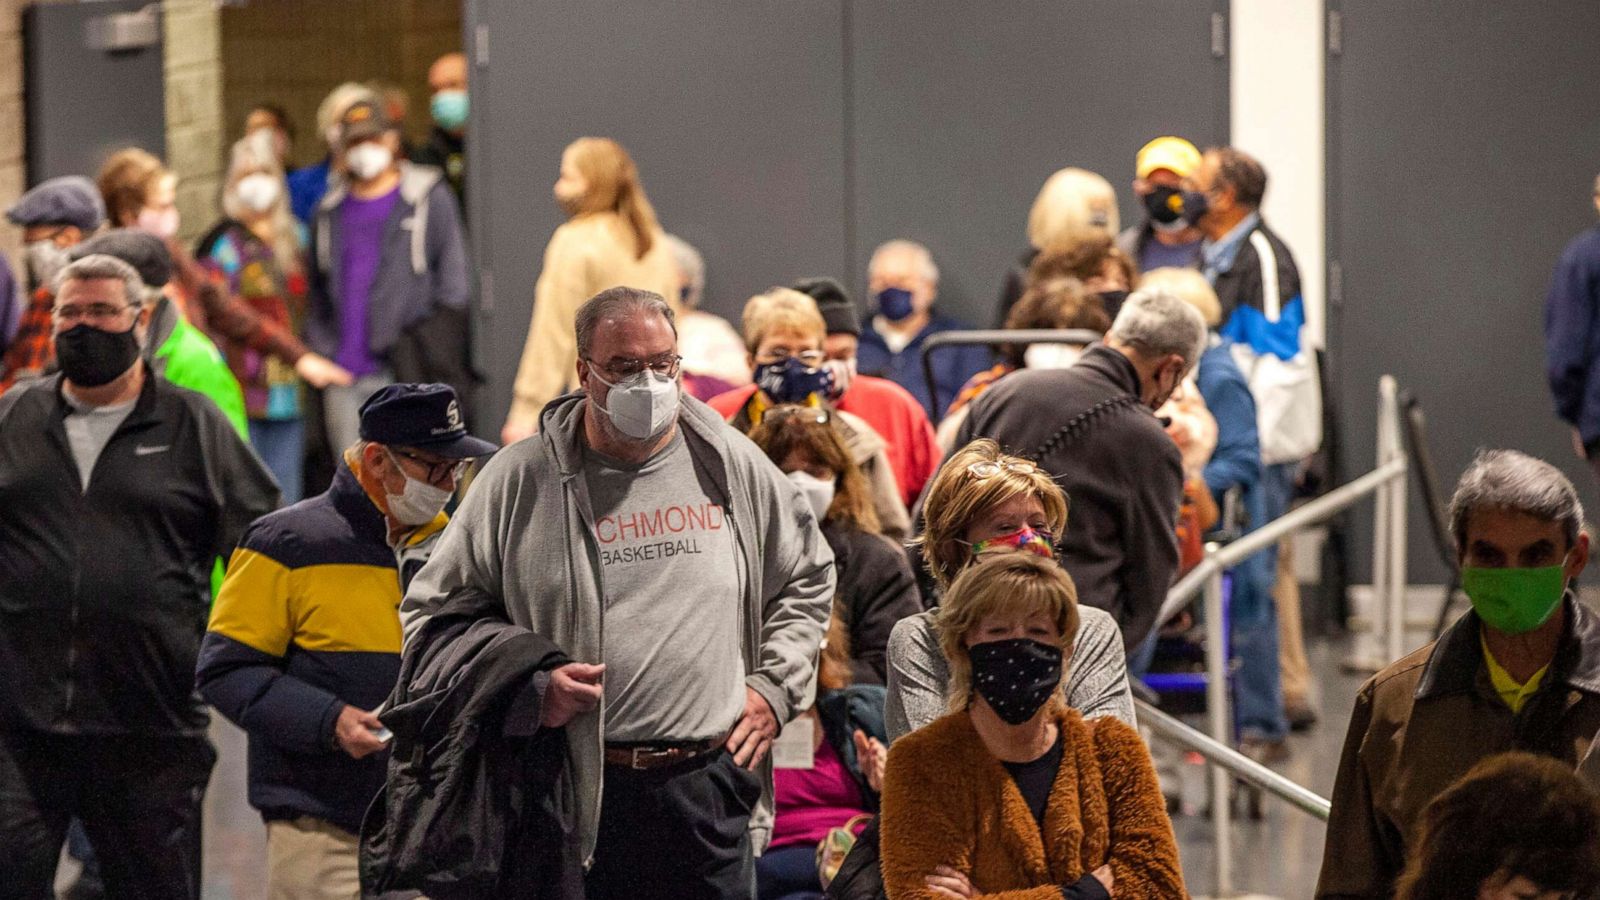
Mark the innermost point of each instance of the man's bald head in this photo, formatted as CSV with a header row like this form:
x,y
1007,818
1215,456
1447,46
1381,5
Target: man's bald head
x,y
448,73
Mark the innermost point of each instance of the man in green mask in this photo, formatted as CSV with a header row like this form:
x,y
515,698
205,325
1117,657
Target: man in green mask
x,y
1520,671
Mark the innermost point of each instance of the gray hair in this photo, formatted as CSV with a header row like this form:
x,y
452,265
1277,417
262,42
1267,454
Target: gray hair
x,y
919,254
100,265
1156,321
1515,482
691,265
618,303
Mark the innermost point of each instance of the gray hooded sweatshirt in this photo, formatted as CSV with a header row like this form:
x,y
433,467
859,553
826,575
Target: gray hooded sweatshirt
x,y
525,533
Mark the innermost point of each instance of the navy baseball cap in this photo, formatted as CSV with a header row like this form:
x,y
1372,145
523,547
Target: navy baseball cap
x,y
424,416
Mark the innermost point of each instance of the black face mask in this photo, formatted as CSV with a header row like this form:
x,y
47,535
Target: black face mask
x,y
1195,205
1164,204
1015,676
1113,300
90,357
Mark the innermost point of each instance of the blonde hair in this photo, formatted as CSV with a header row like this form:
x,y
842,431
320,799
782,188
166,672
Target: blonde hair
x,y
1074,203
1002,585
255,152
1191,287
781,309
614,186
125,182
956,497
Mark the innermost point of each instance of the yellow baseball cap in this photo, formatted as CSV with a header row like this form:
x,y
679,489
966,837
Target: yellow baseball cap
x,y
1167,152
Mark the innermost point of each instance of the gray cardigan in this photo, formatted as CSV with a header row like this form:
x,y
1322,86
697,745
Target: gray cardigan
x,y
525,535
1096,684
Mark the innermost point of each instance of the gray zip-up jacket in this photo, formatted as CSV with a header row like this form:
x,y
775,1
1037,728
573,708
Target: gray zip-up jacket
x,y
422,265
525,534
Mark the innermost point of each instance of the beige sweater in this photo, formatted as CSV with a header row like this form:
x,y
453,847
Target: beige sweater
x,y
588,254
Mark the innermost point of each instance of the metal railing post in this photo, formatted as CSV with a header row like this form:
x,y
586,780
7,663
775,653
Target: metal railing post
x,y
1398,496
1221,727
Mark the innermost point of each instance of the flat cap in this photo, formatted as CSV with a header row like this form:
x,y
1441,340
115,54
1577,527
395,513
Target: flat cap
x,y
68,200
837,311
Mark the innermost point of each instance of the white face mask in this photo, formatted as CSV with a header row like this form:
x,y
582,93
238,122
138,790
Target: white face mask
x,y
818,491
418,502
257,192
45,259
368,159
1051,356
640,407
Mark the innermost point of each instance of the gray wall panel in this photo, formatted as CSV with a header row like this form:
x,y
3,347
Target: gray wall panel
x,y
1462,152
733,110
961,110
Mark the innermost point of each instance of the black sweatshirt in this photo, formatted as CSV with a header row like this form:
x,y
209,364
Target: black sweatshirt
x,y
104,591
1122,474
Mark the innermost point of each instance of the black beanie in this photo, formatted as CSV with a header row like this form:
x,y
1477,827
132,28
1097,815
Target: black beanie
x,y
834,304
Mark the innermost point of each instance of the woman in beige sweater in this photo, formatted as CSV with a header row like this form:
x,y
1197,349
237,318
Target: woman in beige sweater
x,y
611,239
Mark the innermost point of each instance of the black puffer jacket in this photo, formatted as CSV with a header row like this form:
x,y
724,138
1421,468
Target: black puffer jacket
x,y
875,590
468,810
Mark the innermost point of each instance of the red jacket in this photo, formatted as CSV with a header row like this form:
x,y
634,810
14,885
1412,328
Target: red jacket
x,y
891,411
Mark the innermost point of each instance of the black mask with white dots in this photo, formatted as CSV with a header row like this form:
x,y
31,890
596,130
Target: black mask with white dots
x,y
1015,676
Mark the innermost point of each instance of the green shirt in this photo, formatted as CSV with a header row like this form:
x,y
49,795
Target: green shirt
x,y
188,359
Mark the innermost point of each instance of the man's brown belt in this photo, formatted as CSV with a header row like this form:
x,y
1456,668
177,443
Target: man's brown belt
x,y
655,756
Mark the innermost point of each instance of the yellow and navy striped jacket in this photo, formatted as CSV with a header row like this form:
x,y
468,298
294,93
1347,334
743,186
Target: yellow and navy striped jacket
x,y
307,621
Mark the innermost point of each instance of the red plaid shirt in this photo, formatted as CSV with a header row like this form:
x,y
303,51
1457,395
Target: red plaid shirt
x,y
32,350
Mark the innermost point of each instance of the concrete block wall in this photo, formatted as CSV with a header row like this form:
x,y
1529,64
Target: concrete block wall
x,y
292,52
196,136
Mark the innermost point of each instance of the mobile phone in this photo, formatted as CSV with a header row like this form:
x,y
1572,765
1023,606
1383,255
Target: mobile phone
x,y
382,734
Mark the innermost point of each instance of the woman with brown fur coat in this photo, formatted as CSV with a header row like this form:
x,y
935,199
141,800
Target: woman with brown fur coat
x,y
1013,795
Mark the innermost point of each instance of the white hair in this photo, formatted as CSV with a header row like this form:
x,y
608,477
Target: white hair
x,y
691,265
1157,322
98,266
920,257
252,153
1515,482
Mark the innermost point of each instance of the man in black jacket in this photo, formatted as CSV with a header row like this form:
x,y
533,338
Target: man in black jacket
x,y
119,491
1091,427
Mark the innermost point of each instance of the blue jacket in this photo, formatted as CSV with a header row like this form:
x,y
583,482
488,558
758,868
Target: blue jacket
x,y
308,621
1572,335
306,187
1236,463
952,366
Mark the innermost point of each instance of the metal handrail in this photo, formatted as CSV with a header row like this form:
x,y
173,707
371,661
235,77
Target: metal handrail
x,y
1229,555
1242,767
933,342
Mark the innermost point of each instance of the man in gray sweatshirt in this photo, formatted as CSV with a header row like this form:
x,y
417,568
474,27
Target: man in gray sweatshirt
x,y
663,551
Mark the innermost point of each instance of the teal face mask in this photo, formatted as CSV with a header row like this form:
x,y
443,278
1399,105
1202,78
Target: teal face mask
x,y
1514,601
449,109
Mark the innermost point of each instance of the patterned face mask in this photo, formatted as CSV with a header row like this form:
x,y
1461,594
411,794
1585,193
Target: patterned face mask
x,y
1038,542
1015,676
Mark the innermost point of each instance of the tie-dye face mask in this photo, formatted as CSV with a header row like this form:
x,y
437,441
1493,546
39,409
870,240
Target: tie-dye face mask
x,y
1038,542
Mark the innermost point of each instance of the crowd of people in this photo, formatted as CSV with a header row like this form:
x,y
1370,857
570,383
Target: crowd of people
x,y
759,611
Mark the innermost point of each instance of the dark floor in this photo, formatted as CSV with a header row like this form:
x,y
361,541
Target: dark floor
x,y
1277,857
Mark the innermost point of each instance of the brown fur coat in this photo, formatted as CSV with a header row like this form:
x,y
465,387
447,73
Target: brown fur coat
x,y
948,801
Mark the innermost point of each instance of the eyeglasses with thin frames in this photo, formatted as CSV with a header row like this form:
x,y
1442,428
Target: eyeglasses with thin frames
x,y
989,468
620,369
436,470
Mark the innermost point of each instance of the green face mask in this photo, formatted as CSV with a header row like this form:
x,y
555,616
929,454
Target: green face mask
x,y
1514,601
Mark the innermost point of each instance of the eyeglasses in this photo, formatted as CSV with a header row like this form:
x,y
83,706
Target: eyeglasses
x,y
811,359
94,313
437,470
622,368
817,414
990,468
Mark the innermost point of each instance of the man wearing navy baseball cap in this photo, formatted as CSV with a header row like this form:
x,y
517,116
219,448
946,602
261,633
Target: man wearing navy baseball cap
x,y
304,639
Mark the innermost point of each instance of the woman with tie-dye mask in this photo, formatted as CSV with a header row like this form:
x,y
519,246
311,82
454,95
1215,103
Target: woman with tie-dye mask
x,y
984,501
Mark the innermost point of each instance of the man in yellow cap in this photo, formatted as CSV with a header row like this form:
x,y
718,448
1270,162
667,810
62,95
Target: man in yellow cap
x,y
1165,237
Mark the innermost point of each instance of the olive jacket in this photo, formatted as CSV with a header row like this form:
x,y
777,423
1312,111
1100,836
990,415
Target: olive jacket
x,y
1420,724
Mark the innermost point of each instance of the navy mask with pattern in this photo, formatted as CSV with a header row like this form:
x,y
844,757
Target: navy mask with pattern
x,y
1015,676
